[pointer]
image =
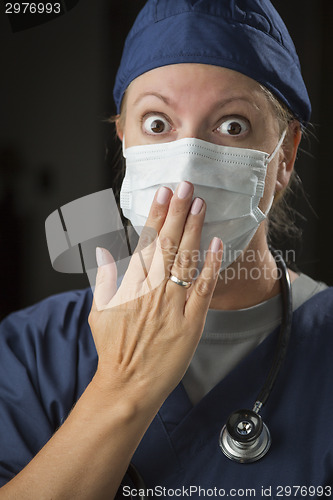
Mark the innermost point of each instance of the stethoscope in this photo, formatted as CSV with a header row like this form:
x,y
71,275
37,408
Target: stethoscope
x,y
245,438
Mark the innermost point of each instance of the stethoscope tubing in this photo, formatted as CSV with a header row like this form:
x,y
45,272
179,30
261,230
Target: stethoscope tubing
x,y
285,329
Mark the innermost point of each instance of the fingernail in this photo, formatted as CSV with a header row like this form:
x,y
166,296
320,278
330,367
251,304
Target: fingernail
x,y
163,195
184,189
103,257
196,206
216,245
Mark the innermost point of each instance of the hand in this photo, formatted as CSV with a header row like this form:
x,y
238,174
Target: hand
x,y
146,333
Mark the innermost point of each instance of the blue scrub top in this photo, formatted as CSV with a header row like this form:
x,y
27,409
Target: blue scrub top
x,y
48,357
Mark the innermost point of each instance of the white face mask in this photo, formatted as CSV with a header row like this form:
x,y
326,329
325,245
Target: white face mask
x,y
230,180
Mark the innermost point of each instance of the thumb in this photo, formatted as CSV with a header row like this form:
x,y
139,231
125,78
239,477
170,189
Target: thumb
x,y
106,279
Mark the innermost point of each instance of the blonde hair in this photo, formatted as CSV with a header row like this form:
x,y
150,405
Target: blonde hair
x,y
282,226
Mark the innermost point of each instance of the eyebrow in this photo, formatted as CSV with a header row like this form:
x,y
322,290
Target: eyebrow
x,y
218,105
248,99
156,94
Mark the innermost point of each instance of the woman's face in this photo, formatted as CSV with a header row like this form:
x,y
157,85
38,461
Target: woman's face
x,y
211,103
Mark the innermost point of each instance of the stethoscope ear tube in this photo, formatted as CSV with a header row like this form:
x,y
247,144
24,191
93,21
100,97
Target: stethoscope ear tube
x,y
284,334
245,438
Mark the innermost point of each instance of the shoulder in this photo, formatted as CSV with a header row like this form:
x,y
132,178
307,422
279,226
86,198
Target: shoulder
x,y
314,318
321,302
47,358
51,335
57,312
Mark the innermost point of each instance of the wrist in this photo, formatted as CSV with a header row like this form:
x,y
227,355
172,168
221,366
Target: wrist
x,y
123,399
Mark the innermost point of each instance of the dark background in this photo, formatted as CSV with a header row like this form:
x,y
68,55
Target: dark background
x,y
55,146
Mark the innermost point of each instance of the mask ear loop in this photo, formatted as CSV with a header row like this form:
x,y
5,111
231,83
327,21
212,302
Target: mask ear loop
x,y
269,206
269,159
123,146
279,144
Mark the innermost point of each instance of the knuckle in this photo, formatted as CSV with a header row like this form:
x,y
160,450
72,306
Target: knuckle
x,y
177,207
157,212
183,260
193,227
166,244
203,288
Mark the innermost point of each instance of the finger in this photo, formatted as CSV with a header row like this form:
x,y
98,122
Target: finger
x,y
171,233
106,279
201,295
143,254
185,264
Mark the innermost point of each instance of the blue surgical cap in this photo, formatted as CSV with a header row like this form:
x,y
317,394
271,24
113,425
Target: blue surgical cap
x,y
247,36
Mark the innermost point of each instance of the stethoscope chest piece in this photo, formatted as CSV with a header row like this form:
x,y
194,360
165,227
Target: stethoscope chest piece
x,y
245,438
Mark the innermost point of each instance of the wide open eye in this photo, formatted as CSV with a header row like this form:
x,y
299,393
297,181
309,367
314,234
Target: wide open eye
x,y
233,126
156,124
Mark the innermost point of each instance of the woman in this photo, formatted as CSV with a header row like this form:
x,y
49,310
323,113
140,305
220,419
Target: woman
x,y
179,349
